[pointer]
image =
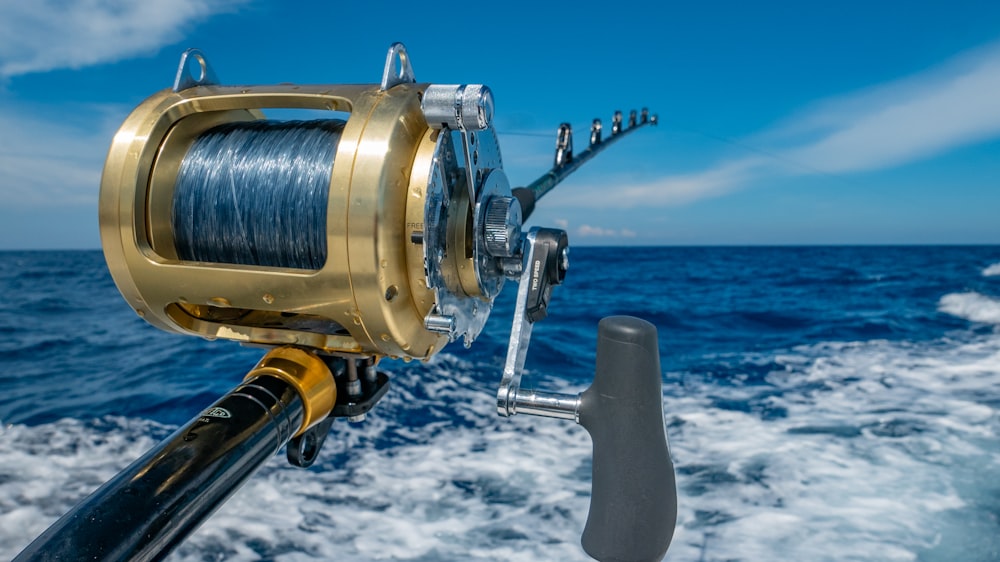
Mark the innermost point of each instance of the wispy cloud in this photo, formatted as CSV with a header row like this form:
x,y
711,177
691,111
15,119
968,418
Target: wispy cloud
x,y
914,118
46,160
952,105
44,35
597,231
591,231
43,162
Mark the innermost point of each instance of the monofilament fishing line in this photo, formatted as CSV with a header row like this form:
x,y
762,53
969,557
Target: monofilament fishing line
x,y
255,193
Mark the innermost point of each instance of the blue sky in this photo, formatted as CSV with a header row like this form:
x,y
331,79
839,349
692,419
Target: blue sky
x,y
781,123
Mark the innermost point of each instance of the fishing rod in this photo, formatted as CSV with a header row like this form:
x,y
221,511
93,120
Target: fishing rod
x,y
566,162
384,230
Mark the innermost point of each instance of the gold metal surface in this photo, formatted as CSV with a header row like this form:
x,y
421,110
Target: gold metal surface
x,y
461,241
416,195
307,374
377,234
370,297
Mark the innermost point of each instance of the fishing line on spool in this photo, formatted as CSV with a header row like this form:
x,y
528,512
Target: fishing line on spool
x,y
255,193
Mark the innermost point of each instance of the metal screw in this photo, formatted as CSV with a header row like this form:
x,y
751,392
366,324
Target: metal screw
x,y
441,324
354,387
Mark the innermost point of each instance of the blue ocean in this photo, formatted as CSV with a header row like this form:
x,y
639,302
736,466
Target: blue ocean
x,y
822,403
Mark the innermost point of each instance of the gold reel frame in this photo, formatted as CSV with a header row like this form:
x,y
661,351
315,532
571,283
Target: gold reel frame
x,y
373,283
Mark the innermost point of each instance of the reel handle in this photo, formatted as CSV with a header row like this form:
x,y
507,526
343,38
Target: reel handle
x,y
633,504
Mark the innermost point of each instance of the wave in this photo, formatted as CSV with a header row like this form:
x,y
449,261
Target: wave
x,y
992,270
841,451
852,451
971,306
464,494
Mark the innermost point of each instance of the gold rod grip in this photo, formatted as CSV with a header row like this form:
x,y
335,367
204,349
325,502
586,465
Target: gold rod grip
x,y
307,374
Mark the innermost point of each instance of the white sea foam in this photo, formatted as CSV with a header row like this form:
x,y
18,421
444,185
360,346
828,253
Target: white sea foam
x,y
45,470
971,306
881,444
883,451
992,270
503,489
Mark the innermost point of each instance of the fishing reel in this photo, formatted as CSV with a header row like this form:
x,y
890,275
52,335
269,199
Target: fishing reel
x,y
386,228
385,233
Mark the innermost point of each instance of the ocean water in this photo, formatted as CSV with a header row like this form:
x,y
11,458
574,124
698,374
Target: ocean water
x,y
827,403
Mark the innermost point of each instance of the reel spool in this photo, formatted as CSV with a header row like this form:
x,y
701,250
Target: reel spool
x,y
383,234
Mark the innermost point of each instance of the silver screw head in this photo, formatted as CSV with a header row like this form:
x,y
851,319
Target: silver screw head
x,y
441,324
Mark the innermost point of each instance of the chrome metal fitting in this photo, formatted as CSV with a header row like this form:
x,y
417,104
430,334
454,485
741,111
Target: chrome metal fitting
x,y
398,69
466,107
503,226
441,324
512,267
204,75
564,145
595,132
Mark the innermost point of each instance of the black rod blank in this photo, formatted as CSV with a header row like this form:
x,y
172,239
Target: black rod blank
x,y
150,507
528,196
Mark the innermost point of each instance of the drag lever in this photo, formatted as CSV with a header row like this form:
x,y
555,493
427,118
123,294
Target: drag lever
x,y
633,503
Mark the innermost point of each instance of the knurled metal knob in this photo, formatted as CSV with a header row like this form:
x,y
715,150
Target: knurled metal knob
x,y
467,107
503,227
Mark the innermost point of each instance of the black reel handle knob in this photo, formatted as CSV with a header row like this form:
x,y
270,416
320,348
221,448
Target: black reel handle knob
x,y
633,505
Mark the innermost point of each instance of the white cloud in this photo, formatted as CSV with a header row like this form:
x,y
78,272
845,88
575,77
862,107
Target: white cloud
x,y
913,119
44,159
952,105
45,162
597,231
43,35
668,191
